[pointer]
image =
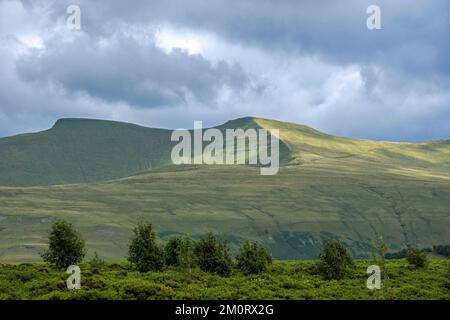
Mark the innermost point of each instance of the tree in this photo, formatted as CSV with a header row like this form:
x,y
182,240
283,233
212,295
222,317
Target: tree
x,y
144,253
66,247
335,260
380,253
186,257
380,250
416,257
253,258
379,258
213,255
172,251
224,262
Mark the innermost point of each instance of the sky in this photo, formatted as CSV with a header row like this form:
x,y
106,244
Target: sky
x,y
168,63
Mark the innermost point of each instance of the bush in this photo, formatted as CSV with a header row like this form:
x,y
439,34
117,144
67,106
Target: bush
x,y
335,260
253,258
396,255
213,255
172,251
66,247
96,263
141,290
443,250
144,253
416,257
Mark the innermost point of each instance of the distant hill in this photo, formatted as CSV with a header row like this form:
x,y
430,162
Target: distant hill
x,y
104,176
85,150
81,150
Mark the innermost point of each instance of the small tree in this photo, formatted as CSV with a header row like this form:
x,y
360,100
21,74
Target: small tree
x,y
144,253
416,257
66,247
379,257
224,262
253,258
172,251
380,253
213,255
335,260
186,255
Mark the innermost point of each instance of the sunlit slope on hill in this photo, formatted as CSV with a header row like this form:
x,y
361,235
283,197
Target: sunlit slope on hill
x,y
317,149
85,150
290,212
328,187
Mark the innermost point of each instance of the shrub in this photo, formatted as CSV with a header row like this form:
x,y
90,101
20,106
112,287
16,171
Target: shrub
x,y
66,247
396,255
144,253
96,263
335,260
416,257
443,250
253,258
172,251
213,255
141,290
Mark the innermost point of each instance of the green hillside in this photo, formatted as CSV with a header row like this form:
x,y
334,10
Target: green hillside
x,y
85,150
328,187
81,150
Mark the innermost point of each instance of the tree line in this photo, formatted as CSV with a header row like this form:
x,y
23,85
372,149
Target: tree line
x,y
209,253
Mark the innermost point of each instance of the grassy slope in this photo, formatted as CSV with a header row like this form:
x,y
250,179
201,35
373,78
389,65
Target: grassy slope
x,y
284,280
80,150
85,150
332,187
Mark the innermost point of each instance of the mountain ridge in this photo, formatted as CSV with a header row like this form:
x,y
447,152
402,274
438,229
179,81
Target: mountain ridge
x,y
80,150
113,175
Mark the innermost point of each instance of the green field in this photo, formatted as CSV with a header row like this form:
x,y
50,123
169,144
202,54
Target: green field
x,y
284,280
328,187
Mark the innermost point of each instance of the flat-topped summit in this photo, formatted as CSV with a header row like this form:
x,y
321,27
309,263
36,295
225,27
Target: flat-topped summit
x,y
73,122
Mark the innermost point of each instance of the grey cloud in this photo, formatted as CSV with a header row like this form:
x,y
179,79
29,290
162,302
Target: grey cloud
x,y
413,38
414,34
131,70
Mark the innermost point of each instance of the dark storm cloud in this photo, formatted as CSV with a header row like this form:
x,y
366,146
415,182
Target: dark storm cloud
x,y
135,71
414,35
